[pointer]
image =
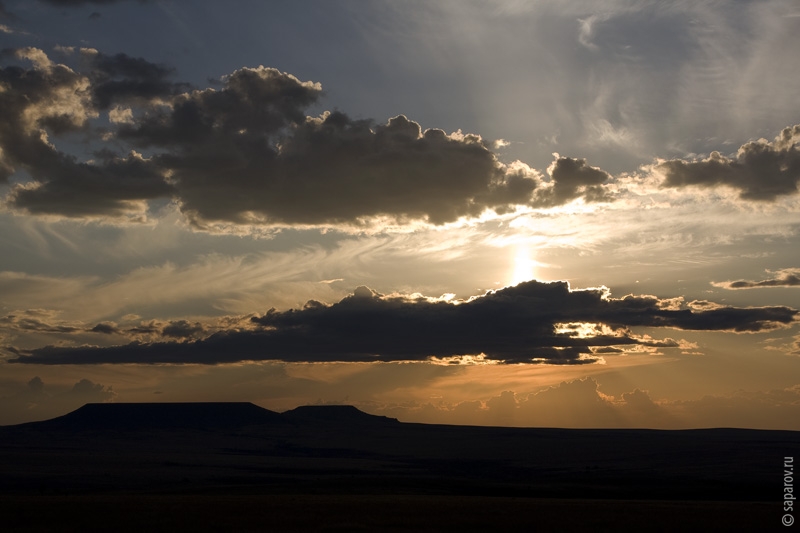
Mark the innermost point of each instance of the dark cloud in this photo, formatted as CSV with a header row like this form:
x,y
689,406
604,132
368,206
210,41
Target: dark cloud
x,y
246,153
789,277
521,324
114,187
54,99
334,169
231,162
761,170
36,384
34,99
571,179
183,329
123,79
107,328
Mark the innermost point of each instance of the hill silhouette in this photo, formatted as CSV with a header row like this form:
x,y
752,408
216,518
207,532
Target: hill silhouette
x,y
203,415
136,416
328,460
335,414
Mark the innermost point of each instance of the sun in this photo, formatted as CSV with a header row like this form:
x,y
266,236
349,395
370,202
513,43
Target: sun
x,y
523,266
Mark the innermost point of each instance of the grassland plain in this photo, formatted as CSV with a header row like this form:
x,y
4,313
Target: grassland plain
x,y
213,467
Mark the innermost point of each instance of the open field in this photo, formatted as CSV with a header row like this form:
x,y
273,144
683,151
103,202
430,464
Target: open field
x,y
303,512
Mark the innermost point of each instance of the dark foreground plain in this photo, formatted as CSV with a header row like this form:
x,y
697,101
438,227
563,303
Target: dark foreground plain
x,y
237,467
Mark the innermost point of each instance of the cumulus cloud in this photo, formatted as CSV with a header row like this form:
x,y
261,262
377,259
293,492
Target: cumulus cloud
x,y
183,329
571,179
246,153
53,99
788,277
581,403
228,164
107,328
761,170
527,323
124,79
37,401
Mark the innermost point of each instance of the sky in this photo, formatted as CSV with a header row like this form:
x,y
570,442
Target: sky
x,y
541,213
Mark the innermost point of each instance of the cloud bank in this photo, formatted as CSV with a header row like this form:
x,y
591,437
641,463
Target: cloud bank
x,y
244,153
761,170
532,322
581,403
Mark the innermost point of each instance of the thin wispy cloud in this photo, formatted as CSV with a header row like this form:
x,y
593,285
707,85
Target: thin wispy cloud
x,y
789,277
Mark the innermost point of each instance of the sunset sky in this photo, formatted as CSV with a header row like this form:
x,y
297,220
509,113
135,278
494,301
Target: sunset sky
x,y
578,214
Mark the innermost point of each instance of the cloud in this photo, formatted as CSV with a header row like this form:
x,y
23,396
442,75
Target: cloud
x,y
107,328
328,170
579,400
38,320
580,403
527,323
183,329
32,321
35,401
789,277
53,98
124,79
571,179
761,170
575,403
246,153
773,409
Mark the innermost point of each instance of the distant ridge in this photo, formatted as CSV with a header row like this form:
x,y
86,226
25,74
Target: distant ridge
x,y
135,416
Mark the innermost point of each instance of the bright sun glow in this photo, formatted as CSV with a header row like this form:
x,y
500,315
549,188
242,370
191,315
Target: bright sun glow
x,y
523,266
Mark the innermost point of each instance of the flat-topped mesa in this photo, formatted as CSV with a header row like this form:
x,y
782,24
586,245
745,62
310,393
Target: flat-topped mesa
x,y
205,415
335,415
136,416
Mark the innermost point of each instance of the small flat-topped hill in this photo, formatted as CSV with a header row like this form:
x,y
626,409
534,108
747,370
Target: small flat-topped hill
x,y
204,415
335,414
134,416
